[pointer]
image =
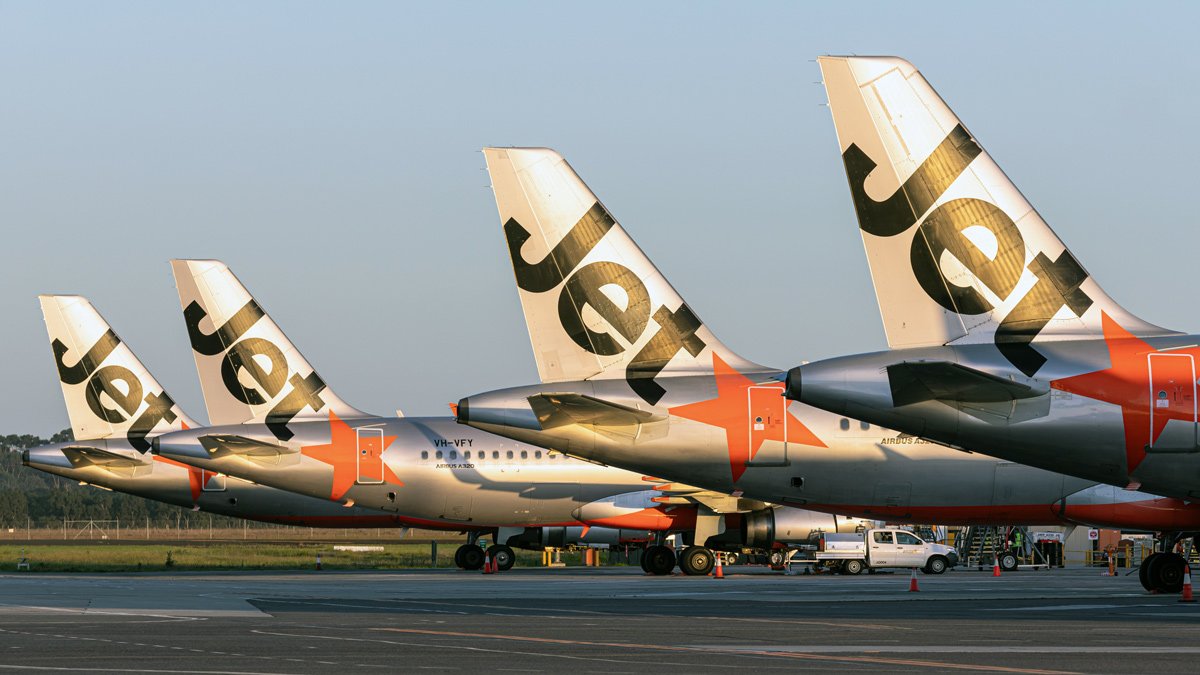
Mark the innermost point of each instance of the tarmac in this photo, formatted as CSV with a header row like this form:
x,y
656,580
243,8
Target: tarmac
x,y
592,620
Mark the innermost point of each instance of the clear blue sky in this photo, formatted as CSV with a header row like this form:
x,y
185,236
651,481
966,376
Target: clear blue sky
x,y
329,153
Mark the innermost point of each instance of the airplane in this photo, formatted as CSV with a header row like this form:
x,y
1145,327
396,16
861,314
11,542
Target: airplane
x,y
117,409
1000,341
631,377
275,421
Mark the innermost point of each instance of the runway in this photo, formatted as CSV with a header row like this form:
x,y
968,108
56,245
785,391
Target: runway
x,y
591,620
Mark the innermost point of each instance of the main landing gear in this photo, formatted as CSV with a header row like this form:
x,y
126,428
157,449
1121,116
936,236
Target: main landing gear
x,y
1162,572
502,556
658,559
470,556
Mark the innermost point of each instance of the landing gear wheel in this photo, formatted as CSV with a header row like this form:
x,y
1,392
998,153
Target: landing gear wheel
x,y
936,565
502,556
697,561
853,567
1008,561
1166,574
1144,570
469,557
658,560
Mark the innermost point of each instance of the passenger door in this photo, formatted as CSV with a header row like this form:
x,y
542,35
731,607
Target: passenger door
x,y
911,550
370,455
1173,398
882,548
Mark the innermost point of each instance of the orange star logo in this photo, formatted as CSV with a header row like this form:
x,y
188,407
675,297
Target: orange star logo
x,y
1127,383
751,413
343,453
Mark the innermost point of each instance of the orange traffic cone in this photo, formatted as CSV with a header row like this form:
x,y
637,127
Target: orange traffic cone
x,y
718,573
487,563
996,568
912,582
1187,585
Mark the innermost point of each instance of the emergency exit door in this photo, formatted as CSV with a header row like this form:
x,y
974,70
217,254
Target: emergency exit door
x,y
1172,402
767,409
370,455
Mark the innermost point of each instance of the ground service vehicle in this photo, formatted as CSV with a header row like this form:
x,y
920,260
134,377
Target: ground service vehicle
x,y
880,548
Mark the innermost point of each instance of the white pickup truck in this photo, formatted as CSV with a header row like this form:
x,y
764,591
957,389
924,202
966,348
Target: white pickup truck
x,y
881,547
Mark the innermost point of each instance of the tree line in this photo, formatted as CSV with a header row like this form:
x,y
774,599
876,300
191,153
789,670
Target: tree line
x,y
32,498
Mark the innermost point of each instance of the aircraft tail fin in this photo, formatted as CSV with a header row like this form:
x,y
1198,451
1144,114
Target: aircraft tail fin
x,y
250,372
957,254
595,305
108,392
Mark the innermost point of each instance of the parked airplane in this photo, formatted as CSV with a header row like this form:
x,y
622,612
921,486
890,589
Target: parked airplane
x,y
1001,342
276,422
117,408
632,378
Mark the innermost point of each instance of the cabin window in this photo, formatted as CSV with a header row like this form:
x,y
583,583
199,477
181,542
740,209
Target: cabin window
x,y
844,424
424,454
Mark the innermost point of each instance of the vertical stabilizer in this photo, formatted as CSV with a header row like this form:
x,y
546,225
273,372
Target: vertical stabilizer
x,y
595,306
956,253
108,392
250,372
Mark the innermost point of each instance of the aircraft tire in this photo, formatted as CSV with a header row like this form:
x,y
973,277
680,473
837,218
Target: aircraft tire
x,y
1144,570
503,556
658,560
696,561
1166,574
469,557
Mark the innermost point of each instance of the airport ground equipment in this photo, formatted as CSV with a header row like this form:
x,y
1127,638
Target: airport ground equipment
x,y
880,548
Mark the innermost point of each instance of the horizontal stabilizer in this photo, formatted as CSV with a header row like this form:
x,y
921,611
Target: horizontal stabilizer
x,y
80,456
230,444
558,410
916,382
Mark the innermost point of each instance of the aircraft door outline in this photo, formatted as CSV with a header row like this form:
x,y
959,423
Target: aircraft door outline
x,y
370,455
211,481
768,418
1172,378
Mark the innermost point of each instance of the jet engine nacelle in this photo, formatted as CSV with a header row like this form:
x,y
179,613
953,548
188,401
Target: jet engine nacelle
x,y
784,525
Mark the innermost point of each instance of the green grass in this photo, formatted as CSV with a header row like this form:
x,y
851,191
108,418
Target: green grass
x,y
196,556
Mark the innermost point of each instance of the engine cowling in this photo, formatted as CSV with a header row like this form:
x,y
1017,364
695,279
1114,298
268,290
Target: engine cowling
x,y
786,525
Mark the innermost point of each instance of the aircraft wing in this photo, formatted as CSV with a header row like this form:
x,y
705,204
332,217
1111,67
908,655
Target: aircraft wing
x,y
82,456
557,410
914,382
230,444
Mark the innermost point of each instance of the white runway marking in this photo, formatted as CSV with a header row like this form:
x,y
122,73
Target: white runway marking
x,y
960,649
